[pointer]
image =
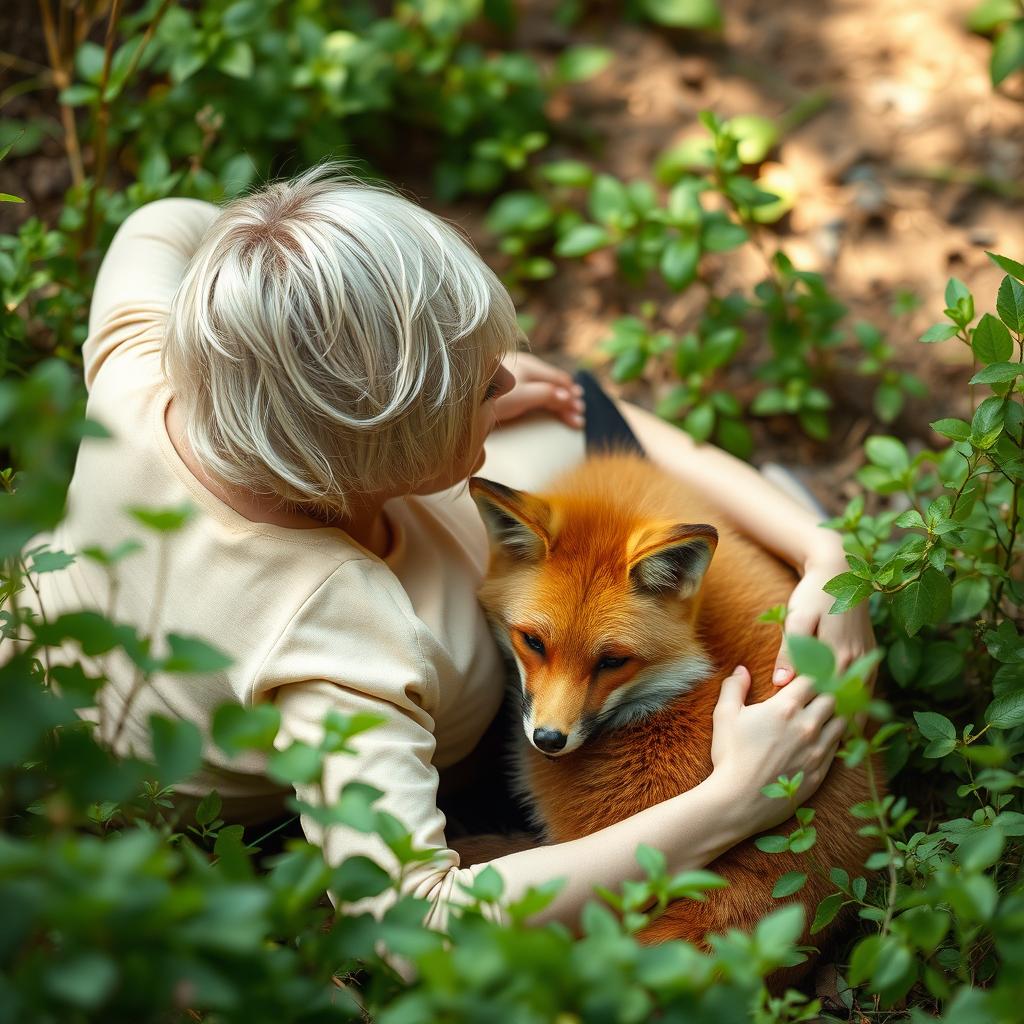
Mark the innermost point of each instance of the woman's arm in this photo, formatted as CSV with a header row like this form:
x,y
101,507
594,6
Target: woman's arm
x,y
759,508
777,522
794,731
140,274
752,746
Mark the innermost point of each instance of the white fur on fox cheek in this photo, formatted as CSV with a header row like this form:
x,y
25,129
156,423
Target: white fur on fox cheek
x,y
649,691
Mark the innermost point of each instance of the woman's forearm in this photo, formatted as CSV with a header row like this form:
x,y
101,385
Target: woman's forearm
x,y
691,829
760,509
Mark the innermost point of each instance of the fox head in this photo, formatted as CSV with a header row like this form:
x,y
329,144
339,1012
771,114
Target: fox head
x,y
596,606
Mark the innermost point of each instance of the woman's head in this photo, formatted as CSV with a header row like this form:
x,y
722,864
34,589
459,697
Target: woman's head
x,y
332,340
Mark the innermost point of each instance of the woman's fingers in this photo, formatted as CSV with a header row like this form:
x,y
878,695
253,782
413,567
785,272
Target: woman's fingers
x,y
532,395
832,734
733,694
820,710
798,623
796,694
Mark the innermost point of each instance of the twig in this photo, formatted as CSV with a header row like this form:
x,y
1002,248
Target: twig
x,y
62,80
12,60
102,126
146,37
955,176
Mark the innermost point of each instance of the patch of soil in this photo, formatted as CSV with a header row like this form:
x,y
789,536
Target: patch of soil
x,y
911,168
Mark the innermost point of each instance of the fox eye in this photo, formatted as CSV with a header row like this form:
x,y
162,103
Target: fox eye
x,y
611,663
533,642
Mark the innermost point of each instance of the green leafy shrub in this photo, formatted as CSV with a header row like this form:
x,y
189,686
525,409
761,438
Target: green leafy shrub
x,y
118,907
1004,19
711,208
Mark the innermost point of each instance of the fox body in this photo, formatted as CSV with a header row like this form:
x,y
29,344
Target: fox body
x,y
625,598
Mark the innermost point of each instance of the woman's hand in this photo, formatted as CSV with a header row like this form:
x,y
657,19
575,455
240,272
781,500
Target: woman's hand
x,y
849,635
793,731
539,386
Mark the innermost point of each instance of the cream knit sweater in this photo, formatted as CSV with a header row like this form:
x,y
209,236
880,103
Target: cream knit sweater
x,y
313,621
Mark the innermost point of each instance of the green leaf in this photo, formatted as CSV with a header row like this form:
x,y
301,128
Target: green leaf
x,y
970,596
811,657
909,519
755,136
939,332
998,373
79,95
49,561
359,878
990,14
192,656
1012,267
826,912
720,234
679,261
703,14
934,726
297,763
955,291
582,240
1008,52
954,429
209,807
579,63
237,60
987,424
789,883
735,437
237,728
923,602
609,202
1010,303
82,979
519,211
567,172
849,590
177,748
1006,711
162,520
888,401
355,806
772,844
991,340
89,62
888,452
700,421
780,929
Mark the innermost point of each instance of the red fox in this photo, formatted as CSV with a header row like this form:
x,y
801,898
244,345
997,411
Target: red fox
x,y
624,608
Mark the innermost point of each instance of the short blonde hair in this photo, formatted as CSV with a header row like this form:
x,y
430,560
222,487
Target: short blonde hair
x,y
331,338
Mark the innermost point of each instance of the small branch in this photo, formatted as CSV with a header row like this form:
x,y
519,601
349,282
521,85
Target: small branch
x,y
146,37
62,79
956,176
102,128
30,67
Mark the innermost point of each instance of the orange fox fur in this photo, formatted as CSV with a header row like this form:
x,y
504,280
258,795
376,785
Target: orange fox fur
x,y
564,570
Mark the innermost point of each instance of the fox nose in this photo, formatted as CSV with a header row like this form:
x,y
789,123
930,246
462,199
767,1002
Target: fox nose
x,y
549,740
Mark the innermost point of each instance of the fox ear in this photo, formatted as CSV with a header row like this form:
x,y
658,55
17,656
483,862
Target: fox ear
x,y
672,560
517,522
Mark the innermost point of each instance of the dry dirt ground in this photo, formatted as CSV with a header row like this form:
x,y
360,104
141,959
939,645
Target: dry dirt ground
x,y
911,168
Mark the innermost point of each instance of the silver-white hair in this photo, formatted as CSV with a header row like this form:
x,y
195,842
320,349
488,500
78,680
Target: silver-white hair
x,y
330,338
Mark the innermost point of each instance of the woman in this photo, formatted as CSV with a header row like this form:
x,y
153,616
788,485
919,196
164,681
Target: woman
x,y
316,369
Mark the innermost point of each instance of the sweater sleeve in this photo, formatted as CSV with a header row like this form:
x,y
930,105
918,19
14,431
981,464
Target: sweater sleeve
x,y
354,648
139,275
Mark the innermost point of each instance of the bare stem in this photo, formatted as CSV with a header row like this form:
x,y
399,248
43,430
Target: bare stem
x,y
62,79
139,678
102,127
